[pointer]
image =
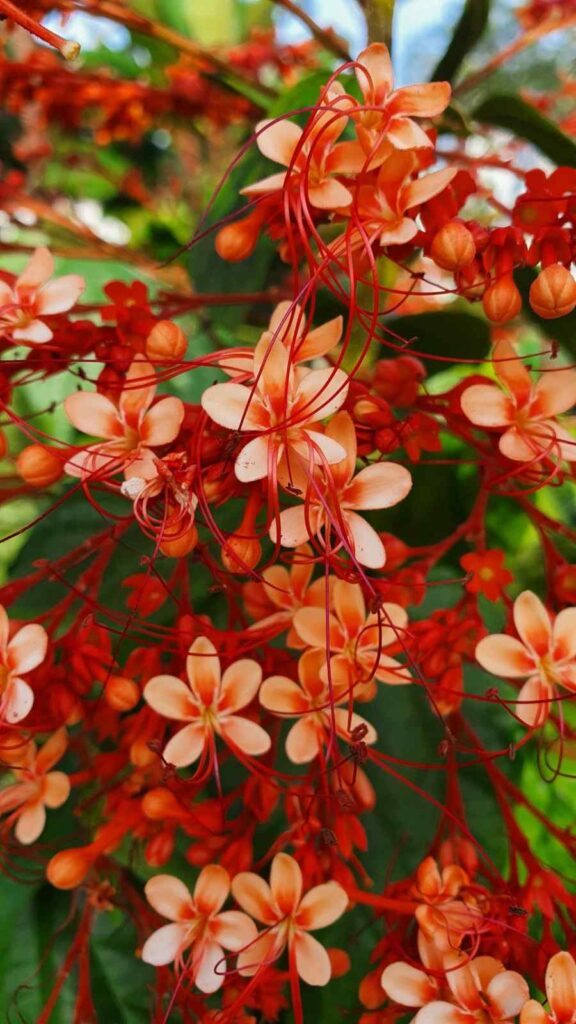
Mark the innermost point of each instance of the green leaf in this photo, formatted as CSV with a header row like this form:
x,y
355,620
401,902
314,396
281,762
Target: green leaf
x,y
562,330
450,336
470,28
506,110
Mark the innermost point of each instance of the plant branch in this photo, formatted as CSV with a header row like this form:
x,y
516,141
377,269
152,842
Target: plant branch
x,y
326,37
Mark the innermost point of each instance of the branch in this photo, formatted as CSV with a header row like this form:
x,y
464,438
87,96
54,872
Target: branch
x,y
327,37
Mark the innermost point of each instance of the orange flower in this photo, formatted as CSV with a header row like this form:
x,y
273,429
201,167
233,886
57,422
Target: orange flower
x,y
489,576
528,411
391,111
411,986
282,592
289,917
208,703
356,640
482,991
24,652
545,652
281,409
310,703
33,296
289,325
36,788
132,427
443,917
561,993
380,485
196,922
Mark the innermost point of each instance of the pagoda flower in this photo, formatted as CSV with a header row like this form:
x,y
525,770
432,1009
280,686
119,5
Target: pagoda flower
x,y
20,654
131,427
560,985
311,703
288,323
523,411
311,155
281,411
36,786
544,654
208,703
34,296
482,991
198,924
288,916
355,641
413,986
444,917
282,591
386,118
333,506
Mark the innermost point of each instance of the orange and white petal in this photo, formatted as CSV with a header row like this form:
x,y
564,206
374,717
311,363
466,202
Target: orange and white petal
x,y
272,370
511,371
94,414
211,889
304,739
561,987
287,322
27,648
534,1013
253,894
349,606
286,882
169,897
442,1013
367,547
36,331
392,672
462,982
321,906
341,429
263,952
162,422
381,485
374,73
60,295
235,407
407,985
256,459
278,140
39,268
98,462
56,789
208,967
171,698
318,628
320,340
312,960
346,158
507,993
187,745
241,732
240,684
328,194
486,406
564,635
233,930
347,724
385,627
532,622
165,944
422,189
427,100
321,447
31,822
533,703
405,134
398,232
4,629
554,393
17,701
203,670
273,183
505,656
53,749
320,394
283,696
297,525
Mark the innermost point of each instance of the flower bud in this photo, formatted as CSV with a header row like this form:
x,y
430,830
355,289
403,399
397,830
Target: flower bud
x,y
69,868
166,343
159,849
241,553
453,246
39,466
502,300
178,543
553,293
159,804
235,242
121,694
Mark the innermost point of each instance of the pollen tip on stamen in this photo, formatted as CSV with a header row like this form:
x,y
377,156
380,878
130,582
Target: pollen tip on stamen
x,y
70,49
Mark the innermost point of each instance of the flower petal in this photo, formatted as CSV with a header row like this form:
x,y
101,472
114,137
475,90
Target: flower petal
x,y
328,194
263,952
504,656
407,985
378,486
441,1013
564,634
286,882
56,789
30,823
320,394
253,894
17,701
561,985
349,606
240,684
234,406
253,461
171,698
60,295
169,897
320,341
316,627
304,739
426,100
554,393
295,526
233,930
321,906
533,704
27,648
186,746
277,140
312,960
162,423
164,945
422,189
366,544
508,992
36,331
208,966
533,622
486,406
52,751
374,72
203,670
39,268
93,414
283,696
246,735
211,889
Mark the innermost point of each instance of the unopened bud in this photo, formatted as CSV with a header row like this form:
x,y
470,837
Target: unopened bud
x,y
178,543
121,694
166,343
69,868
241,553
453,246
553,293
39,466
502,300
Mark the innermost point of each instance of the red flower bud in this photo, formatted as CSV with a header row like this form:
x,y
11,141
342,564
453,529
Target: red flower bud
x,y
39,466
166,342
553,293
502,300
453,246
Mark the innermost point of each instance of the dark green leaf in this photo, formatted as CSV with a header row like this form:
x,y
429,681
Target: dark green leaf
x,y
506,110
451,337
470,27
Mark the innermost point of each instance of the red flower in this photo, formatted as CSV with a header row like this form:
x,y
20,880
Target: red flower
x,y
489,575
